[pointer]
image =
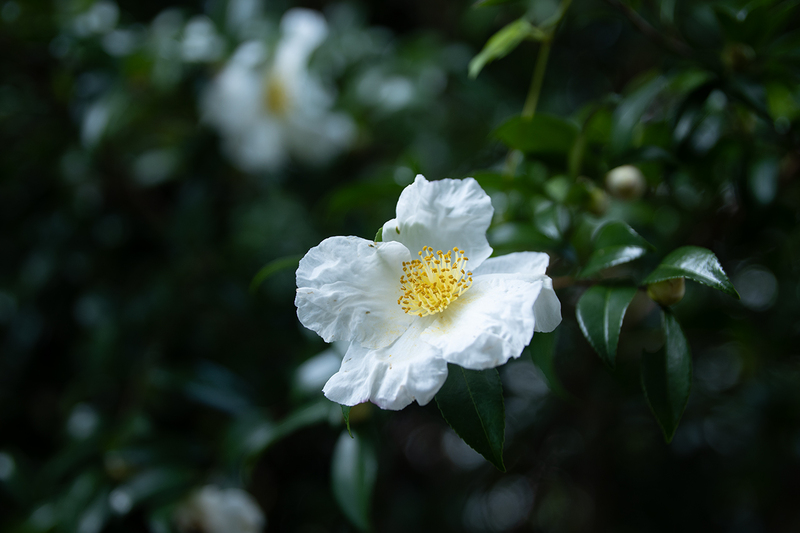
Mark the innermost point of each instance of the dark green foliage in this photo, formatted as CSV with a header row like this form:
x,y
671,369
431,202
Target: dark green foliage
x,y
472,403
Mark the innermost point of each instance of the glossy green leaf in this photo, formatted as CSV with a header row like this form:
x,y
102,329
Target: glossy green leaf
x,y
471,401
543,350
609,257
600,312
354,468
274,267
503,43
614,243
667,377
346,415
695,263
541,135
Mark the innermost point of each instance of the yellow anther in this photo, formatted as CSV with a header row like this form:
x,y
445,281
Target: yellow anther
x,y
428,290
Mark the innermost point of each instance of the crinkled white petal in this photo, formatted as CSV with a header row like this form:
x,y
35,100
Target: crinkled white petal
x,y
347,289
392,377
443,214
488,325
529,266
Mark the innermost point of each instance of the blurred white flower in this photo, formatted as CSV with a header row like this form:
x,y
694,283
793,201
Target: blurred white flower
x,y
269,107
200,40
406,319
216,510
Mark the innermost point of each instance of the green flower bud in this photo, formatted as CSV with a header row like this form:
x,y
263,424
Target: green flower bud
x,y
626,182
667,292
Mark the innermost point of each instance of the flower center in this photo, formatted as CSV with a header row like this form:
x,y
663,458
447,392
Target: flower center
x,y
433,281
276,97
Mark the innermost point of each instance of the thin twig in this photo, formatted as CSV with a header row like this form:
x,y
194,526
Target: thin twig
x,y
670,43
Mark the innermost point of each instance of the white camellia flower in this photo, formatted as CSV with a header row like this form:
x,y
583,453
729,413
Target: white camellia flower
x,y
426,296
268,106
215,510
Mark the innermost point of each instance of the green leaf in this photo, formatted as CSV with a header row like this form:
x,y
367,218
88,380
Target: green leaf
x,y
695,263
541,135
503,43
273,267
618,233
600,312
354,468
667,377
379,235
346,415
471,401
608,257
615,243
629,113
542,349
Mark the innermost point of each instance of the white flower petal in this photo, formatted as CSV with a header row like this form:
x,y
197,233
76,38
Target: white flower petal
x,y
529,266
443,214
489,324
392,377
525,264
303,30
347,289
547,308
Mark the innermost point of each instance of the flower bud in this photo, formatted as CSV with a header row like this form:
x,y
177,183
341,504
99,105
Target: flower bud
x,y
667,292
598,201
626,182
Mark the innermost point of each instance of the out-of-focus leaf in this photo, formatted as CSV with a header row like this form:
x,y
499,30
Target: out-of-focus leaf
x,y
667,377
600,312
274,267
618,233
149,484
513,236
471,401
251,433
541,135
763,180
486,3
503,43
551,219
96,515
615,243
346,415
630,111
695,263
543,349
354,468
379,235
218,387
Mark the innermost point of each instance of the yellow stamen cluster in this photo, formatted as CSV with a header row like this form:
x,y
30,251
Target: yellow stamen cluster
x,y
276,97
433,281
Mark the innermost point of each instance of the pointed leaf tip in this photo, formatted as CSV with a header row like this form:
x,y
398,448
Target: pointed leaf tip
x,y
471,401
667,377
600,313
697,264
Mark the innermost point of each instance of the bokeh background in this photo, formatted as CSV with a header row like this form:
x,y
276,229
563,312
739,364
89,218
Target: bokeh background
x,y
142,358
